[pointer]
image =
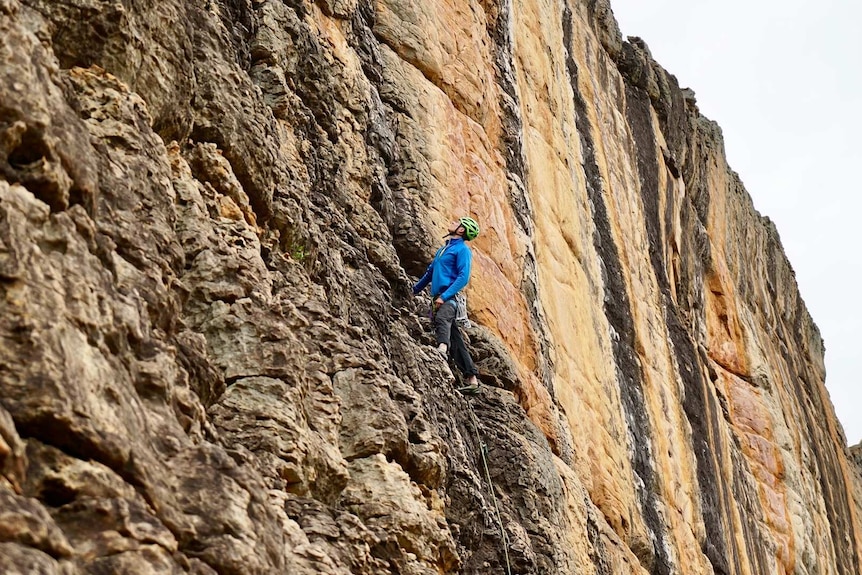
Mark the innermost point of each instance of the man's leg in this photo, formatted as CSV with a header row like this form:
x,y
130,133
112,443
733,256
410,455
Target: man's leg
x,y
444,320
461,354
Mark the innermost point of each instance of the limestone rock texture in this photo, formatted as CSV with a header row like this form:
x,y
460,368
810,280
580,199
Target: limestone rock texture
x,y
211,361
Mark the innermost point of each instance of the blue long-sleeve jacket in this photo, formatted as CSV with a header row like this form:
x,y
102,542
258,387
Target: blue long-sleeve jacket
x,y
449,272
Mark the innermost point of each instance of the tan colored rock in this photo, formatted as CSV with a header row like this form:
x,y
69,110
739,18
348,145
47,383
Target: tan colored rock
x,y
22,560
38,139
446,41
210,166
372,422
212,362
147,47
397,510
25,521
262,414
13,459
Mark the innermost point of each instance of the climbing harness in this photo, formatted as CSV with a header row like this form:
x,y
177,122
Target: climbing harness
x,y
483,451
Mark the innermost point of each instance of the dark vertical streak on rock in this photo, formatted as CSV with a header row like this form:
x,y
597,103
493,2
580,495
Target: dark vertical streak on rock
x,y
238,18
699,405
826,466
643,131
597,544
498,18
392,192
618,311
746,494
513,145
517,175
834,488
702,412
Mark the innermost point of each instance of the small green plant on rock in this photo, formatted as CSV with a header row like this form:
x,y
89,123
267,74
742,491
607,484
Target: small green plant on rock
x,y
297,251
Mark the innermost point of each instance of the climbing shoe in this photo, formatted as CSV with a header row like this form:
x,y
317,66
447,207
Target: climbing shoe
x,y
470,388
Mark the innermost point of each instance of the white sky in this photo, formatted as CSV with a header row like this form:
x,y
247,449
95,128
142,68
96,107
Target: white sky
x,y
782,79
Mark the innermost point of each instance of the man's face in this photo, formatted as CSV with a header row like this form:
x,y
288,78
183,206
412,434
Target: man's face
x,y
455,228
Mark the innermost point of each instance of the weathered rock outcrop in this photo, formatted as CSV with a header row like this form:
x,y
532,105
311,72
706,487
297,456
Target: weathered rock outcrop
x,y
211,362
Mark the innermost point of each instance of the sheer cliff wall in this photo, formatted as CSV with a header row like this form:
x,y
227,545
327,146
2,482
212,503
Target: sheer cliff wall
x,y
211,213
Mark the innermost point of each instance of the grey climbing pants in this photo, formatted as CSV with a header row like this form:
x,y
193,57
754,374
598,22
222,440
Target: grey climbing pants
x,y
447,332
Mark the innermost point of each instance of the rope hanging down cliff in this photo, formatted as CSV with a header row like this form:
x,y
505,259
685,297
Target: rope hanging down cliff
x,y
483,452
448,273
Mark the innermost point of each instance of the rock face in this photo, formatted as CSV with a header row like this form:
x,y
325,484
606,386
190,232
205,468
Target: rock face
x,y
211,213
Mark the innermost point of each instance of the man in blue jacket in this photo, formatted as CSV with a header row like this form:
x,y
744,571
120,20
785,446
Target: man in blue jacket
x,y
448,274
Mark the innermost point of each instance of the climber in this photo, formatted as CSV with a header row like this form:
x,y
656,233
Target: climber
x,y
448,274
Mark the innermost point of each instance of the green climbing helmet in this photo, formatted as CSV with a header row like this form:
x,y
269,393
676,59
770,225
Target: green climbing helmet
x,y
471,228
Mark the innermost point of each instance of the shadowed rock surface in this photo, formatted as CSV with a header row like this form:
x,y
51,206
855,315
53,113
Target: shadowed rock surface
x,y
211,214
